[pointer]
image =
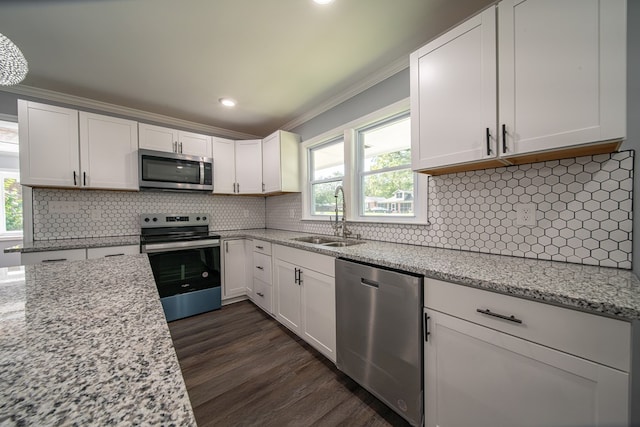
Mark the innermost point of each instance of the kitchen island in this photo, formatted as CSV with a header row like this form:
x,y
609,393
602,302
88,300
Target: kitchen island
x,y
86,343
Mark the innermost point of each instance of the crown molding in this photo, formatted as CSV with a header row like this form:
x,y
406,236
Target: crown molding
x,y
81,102
370,81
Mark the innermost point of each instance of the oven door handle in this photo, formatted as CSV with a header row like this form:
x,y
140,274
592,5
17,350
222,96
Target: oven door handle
x,y
178,246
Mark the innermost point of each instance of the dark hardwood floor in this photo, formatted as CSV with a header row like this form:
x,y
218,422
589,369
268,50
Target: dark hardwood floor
x,y
242,368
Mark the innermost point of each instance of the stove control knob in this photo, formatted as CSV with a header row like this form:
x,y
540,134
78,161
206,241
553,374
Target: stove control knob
x,y
155,219
146,219
204,218
197,218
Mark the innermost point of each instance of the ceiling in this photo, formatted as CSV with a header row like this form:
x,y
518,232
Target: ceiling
x,y
284,61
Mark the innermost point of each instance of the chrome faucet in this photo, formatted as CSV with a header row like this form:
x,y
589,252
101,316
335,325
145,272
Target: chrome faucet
x,y
343,226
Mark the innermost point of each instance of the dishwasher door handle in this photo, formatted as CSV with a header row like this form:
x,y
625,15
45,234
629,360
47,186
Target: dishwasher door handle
x,y
369,283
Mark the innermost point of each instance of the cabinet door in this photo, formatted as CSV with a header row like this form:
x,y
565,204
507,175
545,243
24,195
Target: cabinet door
x,y
287,295
562,72
249,166
271,163
453,95
224,166
158,138
49,151
108,152
194,144
481,377
319,312
234,268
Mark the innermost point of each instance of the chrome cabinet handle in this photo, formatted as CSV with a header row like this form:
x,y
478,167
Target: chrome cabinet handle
x,y
181,148
511,318
54,260
260,247
175,146
84,178
260,294
226,247
259,267
107,256
74,178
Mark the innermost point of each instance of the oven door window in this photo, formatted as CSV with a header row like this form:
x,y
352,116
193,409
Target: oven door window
x,y
160,169
179,272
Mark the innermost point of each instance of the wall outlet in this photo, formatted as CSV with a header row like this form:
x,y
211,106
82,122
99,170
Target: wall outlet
x,y
526,214
95,214
63,207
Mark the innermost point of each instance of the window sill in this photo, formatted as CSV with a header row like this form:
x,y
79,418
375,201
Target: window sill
x,y
374,220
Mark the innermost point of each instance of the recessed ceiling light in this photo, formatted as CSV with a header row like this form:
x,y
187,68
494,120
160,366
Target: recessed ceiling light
x,y
323,1
227,102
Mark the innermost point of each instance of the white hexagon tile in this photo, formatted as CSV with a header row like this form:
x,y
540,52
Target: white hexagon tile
x,y
60,214
583,212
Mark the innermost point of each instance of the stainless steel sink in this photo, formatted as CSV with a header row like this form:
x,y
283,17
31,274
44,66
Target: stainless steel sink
x,y
343,243
328,241
317,240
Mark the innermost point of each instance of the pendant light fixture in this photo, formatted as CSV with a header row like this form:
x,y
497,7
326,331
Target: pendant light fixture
x,y
13,66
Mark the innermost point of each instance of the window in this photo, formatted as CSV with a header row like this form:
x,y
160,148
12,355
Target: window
x,y
371,158
326,166
11,190
385,178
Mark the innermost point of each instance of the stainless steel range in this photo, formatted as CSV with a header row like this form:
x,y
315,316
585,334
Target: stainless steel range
x,y
185,260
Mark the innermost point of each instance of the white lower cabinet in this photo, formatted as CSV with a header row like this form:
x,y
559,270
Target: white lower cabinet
x,y
305,296
234,259
53,256
480,371
262,277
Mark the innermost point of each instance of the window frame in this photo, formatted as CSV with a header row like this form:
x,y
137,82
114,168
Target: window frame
x,y
351,183
26,197
339,139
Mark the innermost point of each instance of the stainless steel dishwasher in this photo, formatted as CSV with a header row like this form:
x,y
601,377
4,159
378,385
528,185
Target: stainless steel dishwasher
x,y
379,334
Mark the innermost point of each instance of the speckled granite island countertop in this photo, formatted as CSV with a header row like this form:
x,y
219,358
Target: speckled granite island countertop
x,y
86,343
599,290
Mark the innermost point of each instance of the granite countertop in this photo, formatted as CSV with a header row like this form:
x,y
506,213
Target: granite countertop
x,y
79,243
86,343
601,290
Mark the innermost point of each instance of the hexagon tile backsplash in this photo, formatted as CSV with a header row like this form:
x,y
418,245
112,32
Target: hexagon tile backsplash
x,y
584,212
115,213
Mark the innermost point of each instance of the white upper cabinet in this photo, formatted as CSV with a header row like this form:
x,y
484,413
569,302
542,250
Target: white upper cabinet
x,y
237,166
49,150
280,162
108,152
558,89
174,141
562,73
224,166
454,91
249,166
61,148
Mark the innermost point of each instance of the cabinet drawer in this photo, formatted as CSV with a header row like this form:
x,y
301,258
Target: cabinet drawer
x,y
112,251
597,338
262,295
53,256
262,267
262,247
309,260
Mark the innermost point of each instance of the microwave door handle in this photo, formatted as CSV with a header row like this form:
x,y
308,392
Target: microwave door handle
x,y
202,173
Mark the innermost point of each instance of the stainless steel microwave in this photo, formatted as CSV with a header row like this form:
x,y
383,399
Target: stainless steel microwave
x,y
159,170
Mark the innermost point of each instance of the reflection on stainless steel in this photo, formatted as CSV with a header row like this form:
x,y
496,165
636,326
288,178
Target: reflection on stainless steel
x,y
379,334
